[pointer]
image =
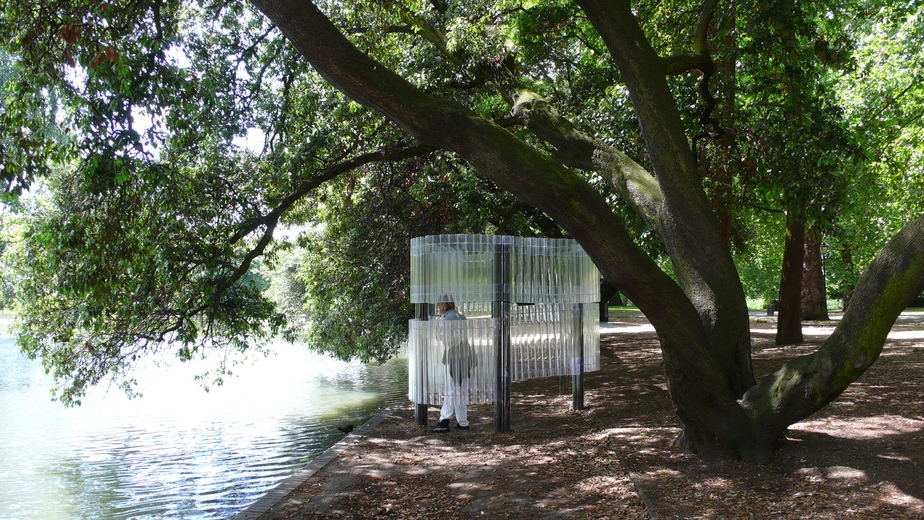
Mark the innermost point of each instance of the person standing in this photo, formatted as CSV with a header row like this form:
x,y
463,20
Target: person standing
x,y
459,359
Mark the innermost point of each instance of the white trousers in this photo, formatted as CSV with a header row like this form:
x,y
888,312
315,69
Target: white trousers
x,y
455,400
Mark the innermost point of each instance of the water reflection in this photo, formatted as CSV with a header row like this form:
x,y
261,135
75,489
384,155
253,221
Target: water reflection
x,y
178,451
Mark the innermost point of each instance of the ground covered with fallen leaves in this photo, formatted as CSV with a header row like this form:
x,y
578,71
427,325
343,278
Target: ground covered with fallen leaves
x,y
861,457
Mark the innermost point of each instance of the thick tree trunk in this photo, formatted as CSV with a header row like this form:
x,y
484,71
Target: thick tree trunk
x,y
806,384
789,323
687,224
703,326
814,295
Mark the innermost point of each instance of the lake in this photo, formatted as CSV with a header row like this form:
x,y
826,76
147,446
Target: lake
x,y
178,451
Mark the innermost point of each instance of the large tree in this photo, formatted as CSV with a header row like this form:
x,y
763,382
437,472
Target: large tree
x,y
533,97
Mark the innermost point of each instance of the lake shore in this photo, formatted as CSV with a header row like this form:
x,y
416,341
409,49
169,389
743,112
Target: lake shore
x,y
861,457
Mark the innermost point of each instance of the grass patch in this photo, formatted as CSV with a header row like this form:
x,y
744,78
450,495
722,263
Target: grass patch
x,y
627,311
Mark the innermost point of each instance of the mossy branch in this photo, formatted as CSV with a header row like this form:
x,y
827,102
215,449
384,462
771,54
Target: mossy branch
x,y
806,384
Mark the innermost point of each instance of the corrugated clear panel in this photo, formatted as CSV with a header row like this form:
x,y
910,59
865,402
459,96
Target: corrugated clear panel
x,y
576,351
519,343
591,325
567,348
481,335
415,377
475,309
542,341
545,341
538,352
544,358
452,359
556,291
547,346
540,274
519,340
550,273
532,356
416,273
543,270
425,385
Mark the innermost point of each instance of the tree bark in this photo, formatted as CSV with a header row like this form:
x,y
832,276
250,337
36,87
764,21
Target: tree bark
x,y
806,384
689,227
707,400
789,323
847,259
702,323
814,295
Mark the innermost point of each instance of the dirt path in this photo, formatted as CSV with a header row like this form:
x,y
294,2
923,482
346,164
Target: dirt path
x,y
861,457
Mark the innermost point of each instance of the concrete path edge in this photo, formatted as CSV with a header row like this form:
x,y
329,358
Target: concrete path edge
x,y
282,490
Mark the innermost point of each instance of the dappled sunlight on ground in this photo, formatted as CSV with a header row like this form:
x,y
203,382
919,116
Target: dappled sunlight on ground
x,y
875,427
624,328
860,457
839,474
897,497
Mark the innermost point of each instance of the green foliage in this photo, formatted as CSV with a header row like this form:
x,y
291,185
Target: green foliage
x,y
13,220
152,228
787,123
159,230
356,263
884,104
119,270
32,139
759,253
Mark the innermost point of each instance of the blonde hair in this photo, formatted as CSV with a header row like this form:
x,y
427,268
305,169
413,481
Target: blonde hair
x,y
442,307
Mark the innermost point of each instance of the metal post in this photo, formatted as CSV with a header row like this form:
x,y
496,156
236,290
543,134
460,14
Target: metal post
x,y
422,311
577,379
500,311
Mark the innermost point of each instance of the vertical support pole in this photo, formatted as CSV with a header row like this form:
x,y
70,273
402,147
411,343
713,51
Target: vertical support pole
x,y
577,378
500,311
422,311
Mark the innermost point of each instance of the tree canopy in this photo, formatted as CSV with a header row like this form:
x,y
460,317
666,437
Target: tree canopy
x,y
631,127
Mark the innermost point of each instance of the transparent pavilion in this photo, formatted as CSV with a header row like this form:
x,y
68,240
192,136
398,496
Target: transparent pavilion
x,y
532,311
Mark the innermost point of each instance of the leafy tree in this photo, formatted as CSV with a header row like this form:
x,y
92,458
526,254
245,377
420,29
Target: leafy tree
x,y
883,98
790,130
356,269
183,213
11,222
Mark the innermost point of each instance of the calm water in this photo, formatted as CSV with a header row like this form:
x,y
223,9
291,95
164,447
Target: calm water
x,y
176,452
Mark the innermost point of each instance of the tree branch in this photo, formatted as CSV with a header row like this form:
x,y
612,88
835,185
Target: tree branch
x,y
806,384
700,58
305,187
632,182
683,63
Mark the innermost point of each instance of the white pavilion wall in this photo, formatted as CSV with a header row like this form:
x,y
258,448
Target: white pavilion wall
x,y
552,288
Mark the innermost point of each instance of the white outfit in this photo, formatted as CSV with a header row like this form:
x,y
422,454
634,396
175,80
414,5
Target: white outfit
x,y
455,397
